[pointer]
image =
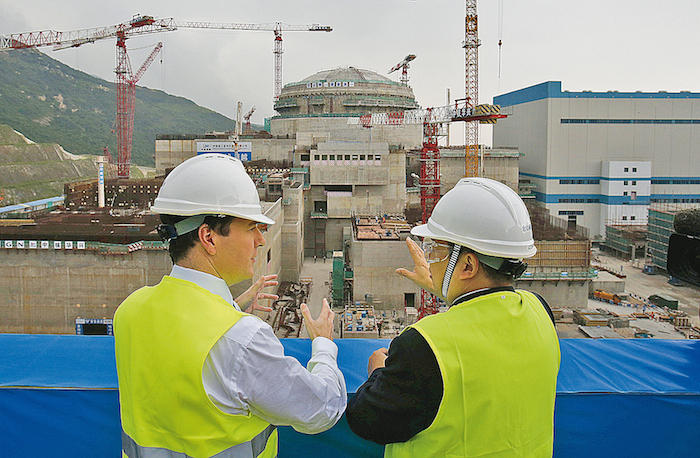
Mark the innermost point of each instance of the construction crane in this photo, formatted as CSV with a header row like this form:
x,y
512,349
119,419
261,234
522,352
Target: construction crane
x,y
125,80
276,27
246,117
471,50
434,121
403,65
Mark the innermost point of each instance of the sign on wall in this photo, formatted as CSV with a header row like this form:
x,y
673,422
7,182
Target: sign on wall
x,y
244,153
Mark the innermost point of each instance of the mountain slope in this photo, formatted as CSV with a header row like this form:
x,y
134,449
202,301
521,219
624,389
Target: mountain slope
x,y
51,102
31,171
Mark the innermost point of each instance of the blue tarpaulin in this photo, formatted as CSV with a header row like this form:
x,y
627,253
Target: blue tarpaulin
x,y
617,397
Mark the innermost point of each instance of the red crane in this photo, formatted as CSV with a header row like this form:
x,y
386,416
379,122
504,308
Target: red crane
x,y
126,81
403,65
429,181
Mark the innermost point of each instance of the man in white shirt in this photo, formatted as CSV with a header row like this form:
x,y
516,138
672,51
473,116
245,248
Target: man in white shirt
x,y
223,381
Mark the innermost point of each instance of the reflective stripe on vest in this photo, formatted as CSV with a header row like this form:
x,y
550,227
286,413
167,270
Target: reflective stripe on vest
x,y
251,449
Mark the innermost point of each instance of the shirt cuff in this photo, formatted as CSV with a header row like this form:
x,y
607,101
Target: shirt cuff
x,y
324,345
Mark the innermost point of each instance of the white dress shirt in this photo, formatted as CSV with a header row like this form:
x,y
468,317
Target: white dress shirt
x,y
246,371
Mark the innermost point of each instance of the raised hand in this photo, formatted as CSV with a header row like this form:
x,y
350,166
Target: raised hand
x,y
321,327
421,272
253,294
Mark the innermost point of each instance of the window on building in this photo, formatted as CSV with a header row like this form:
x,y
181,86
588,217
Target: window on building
x,y
627,169
347,157
624,193
305,157
626,182
378,157
355,157
634,169
633,218
634,195
317,157
331,157
624,218
324,157
634,183
362,157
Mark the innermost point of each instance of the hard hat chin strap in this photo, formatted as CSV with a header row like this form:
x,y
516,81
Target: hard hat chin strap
x,y
511,267
447,278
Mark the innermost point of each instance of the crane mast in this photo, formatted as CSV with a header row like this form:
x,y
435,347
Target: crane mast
x,y
471,47
125,80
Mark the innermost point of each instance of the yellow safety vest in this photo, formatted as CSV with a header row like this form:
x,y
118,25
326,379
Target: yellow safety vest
x,y
163,335
499,358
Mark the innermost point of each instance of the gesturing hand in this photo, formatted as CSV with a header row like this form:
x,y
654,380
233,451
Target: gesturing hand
x,y
421,272
253,294
376,360
321,327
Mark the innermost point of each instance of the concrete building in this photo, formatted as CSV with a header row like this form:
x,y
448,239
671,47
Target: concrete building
x,y
324,101
171,150
348,179
67,267
599,158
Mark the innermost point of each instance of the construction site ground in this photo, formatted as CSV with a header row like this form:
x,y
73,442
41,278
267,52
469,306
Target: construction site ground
x,y
642,285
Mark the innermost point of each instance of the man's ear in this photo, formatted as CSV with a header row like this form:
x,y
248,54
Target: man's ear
x,y
206,238
468,266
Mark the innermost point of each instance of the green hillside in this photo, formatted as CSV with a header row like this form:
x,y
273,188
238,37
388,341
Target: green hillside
x,y
50,102
31,171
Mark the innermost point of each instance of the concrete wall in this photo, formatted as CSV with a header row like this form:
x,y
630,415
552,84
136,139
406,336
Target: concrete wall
x,y
499,165
374,264
571,294
44,291
170,153
337,128
292,233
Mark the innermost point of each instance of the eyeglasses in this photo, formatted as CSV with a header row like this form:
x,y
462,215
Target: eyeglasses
x,y
436,251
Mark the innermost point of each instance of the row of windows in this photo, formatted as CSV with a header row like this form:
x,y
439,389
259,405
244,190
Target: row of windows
x,y
591,181
579,201
632,218
347,157
571,212
634,169
675,201
677,181
630,121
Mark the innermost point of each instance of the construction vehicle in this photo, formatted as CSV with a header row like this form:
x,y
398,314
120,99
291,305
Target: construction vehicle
x,y
604,296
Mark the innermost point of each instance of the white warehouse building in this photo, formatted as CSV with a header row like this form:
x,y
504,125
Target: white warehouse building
x,y
599,158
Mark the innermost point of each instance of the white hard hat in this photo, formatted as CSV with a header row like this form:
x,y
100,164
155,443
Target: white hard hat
x,y
210,184
484,215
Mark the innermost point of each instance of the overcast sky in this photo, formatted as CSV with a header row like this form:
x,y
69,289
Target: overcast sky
x,y
596,45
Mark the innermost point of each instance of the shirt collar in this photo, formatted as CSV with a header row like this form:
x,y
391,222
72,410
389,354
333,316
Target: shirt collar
x,y
214,285
480,292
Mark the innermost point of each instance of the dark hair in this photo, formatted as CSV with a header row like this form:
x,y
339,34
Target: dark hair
x,y
180,246
500,278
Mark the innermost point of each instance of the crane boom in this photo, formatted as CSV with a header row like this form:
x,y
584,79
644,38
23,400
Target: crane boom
x,y
126,82
61,40
276,27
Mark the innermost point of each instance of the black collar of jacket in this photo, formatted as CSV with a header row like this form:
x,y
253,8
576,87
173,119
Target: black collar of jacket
x,y
481,292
